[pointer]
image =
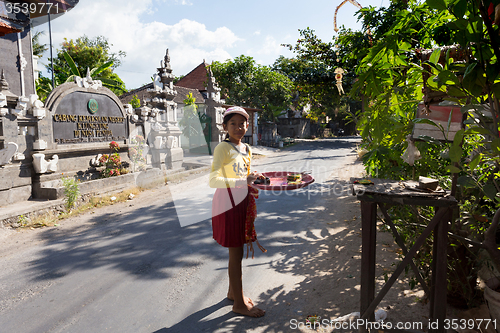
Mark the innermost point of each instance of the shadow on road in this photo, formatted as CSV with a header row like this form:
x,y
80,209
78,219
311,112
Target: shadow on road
x,y
144,242
195,322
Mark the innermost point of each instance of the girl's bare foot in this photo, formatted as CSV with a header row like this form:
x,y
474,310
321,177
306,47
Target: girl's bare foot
x,y
245,299
249,310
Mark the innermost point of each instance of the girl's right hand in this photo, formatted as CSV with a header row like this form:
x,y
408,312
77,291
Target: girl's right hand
x,y
252,177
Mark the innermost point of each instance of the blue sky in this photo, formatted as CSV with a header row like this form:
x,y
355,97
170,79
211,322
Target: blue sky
x,y
194,30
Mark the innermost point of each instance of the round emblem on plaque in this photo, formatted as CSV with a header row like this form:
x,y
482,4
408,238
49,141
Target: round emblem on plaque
x,y
93,106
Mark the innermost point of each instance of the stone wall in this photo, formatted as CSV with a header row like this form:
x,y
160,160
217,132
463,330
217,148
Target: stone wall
x,y
294,127
19,116
17,63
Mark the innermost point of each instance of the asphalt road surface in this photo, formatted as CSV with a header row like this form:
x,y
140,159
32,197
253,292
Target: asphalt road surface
x,y
140,266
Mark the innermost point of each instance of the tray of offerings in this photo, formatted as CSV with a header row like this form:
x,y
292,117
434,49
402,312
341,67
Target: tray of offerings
x,y
283,181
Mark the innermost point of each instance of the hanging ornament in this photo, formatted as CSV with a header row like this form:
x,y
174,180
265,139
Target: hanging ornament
x,y
339,72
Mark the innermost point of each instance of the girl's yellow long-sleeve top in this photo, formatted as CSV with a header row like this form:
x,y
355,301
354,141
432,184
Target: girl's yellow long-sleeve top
x,y
229,165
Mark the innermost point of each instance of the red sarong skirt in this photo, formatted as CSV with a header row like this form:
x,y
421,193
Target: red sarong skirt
x,y
229,210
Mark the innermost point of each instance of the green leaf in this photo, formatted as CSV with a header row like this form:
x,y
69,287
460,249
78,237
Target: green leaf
x,y
457,140
460,24
466,181
477,130
453,169
495,145
496,89
447,77
492,72
427,121
470,80
434,58
437,4
455,91
98,70
490,190
455,153
70,78
71,64
460,8
470,69
475,162
429,139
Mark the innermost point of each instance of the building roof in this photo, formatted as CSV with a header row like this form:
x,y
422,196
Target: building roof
x,y
196,79
179,98
182,92
140,92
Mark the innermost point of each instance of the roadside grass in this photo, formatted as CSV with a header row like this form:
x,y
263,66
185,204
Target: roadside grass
x,y
52,217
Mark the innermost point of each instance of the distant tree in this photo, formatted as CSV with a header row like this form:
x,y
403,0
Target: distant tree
x,y
178,78
135,102
246,83
89,54
44,86
38,49
313,72
190,101
190,114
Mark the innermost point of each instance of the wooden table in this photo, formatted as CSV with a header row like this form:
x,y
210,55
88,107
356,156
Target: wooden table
x,y
385,193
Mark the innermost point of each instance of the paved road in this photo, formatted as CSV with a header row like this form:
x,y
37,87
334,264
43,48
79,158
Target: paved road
x,y
132,267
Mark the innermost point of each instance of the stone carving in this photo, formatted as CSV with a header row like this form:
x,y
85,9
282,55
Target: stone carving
x,y
88,82
36,106
40,144
167,59
158,142
163,126
3,100
5,95
22,62
7,153
4,85
157,127
157,85
95,161
154,112
145,111
43,166
18,156
213,87
21,107
129,109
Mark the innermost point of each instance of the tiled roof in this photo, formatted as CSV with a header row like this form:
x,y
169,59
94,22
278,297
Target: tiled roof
x,y
196,79
182,92
140,92
179,98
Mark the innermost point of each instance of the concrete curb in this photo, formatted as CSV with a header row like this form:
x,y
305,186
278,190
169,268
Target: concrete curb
x,y
11,214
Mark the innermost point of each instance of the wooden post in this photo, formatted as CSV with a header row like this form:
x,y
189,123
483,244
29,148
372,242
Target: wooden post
x,y
368,243
439,271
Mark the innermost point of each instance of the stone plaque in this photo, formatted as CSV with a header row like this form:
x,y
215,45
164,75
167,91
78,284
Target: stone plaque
x,y
88,117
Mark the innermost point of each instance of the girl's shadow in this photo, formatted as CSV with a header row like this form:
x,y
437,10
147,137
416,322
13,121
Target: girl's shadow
x,y
194,323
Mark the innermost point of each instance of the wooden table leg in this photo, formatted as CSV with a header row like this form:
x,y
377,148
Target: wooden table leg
x,y
368,243
439,273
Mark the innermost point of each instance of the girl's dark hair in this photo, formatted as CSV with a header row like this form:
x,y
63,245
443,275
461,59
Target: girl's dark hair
x,y
225,121
227,118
